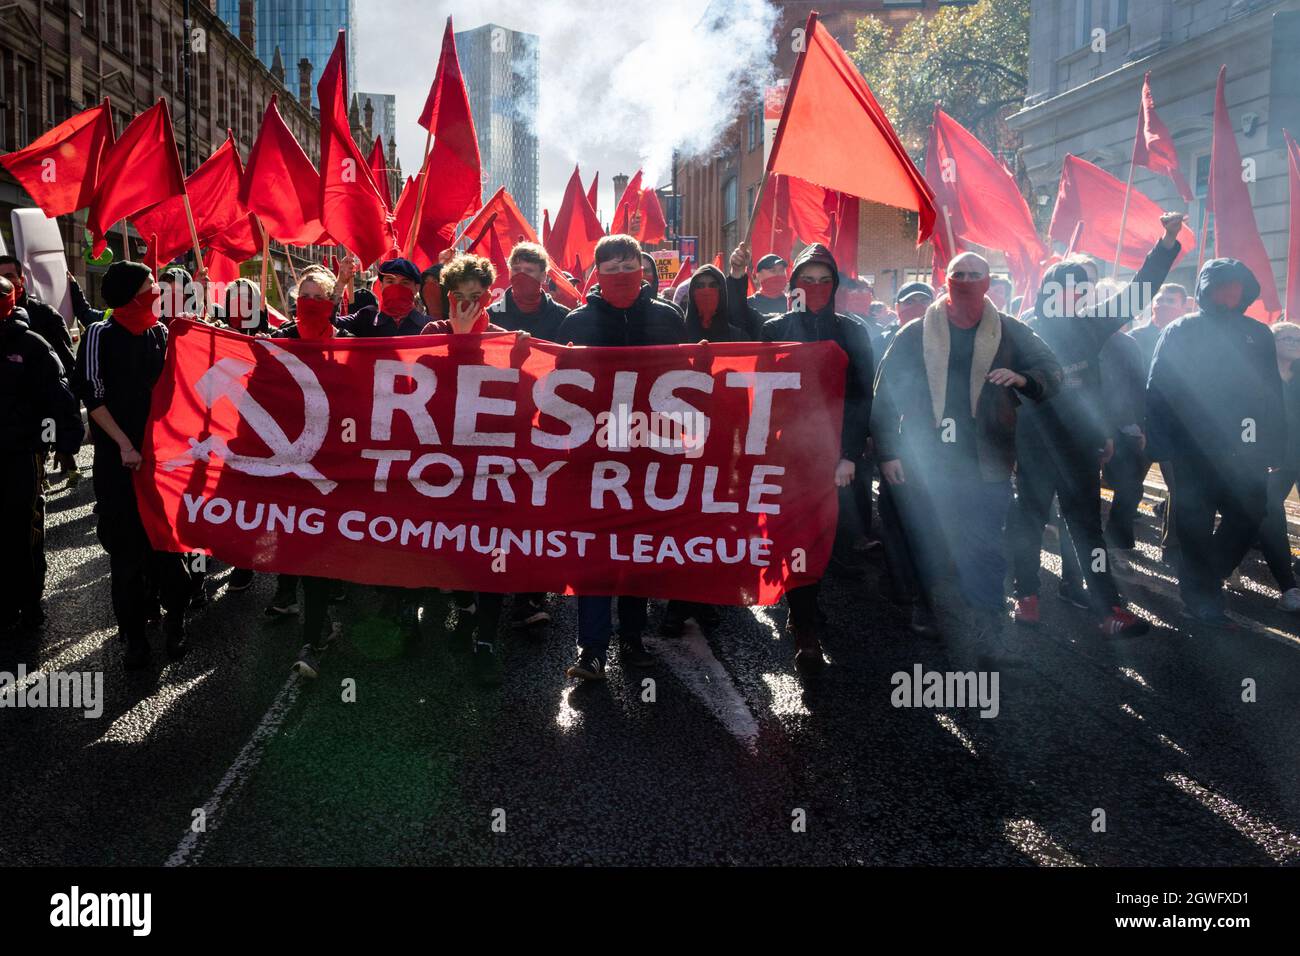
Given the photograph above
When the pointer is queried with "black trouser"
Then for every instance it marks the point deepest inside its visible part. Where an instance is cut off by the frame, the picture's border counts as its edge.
(22, 531)
(903, 575)
(137, 570)
(803, 606)
(316, 593)
(1126, 474)
(488, 612)
(1239, 495)
(1273, 539)
(1073, 475)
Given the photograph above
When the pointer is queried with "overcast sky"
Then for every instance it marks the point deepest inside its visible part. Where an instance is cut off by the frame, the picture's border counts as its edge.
(618, 91)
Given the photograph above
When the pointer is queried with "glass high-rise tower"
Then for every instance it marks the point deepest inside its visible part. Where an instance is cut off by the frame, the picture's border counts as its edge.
(300, 28)
(501, 76)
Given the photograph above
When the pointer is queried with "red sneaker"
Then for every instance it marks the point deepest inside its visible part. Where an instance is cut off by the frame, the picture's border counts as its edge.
(1121, 622)
(1026, 610)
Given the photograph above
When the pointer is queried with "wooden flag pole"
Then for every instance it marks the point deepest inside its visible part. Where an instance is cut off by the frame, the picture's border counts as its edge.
(1123, 220)
(279, 290)
(266, 259)
(194, 233)
(126, 240)
(419, 197)
(952, 242)
(1074, 237)
(1205, 237)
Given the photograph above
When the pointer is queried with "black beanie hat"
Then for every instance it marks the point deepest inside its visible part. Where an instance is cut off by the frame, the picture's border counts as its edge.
(122, 282)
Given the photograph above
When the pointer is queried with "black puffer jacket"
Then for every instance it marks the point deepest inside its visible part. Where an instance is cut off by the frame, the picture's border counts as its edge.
(1214, 395)
(543, 324)
(46, 322)
(648, 321)
(33, 389)
(849, 334)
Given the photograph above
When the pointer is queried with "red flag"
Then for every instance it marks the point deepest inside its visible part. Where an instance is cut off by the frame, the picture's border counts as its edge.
(1153, 146)
(1236, 235)
(546, 226)
(593, 193)
(60, 169)
(1096, 198)
(241, 241)
(498, 257)
(507, 222)
(140, 169)
(379, 171)
(635, 200)
(351, 207)
(717, 262)
(981, 199)
(791, 210)
(576, 230)
(405, 209)
(834, 133)
(453, 170)
(281, 185)
(221, 268)
(844, 240)
(213, 189)
(1293, 233)
(683, 274)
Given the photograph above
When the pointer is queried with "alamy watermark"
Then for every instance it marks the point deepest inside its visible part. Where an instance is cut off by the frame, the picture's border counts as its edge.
(946, 690)
(78, 690)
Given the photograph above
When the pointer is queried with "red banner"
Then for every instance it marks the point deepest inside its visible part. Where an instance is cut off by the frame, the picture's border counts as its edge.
(700, 472)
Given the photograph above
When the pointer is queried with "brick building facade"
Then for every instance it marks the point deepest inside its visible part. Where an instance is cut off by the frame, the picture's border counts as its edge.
(58, 57)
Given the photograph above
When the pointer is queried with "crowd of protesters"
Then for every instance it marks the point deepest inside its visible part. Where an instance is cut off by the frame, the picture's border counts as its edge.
(976, 411)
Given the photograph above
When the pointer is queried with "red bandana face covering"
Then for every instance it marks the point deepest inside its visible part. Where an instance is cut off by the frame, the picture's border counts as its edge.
(1227, 295)
(966, 301)
(7, 303)
(706, 303)
(620, 289)
(140, 314)
(772, 286)
(858, 302)
(396, 300)
(527, 291)
(816, 295)
(314, 319)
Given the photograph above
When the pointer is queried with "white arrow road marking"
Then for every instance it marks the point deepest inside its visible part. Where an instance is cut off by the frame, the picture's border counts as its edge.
(691, 659)
(190, 848)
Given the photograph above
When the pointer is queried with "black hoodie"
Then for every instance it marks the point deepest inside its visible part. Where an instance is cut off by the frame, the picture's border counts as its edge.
(849, 334)
(647, 321)
(543, 324)
(725, 327)
(33, 388)
(1214, 395)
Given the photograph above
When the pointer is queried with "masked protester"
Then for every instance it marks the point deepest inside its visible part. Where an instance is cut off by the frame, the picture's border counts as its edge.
(650, 271)
(1215, 412)
(747, 316)
(313, 310)
(33, 392)
(119, 361)
(621, 310)
(42, 319)
(708, 304)
(242, 309)
(526, 305)
(770, 277)
(812, 318)
(397, 312)
(432, 297)
(943, 424)
(1063, 441)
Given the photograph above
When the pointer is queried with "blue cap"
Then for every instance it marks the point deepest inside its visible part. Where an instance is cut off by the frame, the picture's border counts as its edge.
(400, 267)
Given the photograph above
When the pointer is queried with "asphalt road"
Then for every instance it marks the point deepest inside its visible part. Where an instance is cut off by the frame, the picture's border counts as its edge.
(727, 757)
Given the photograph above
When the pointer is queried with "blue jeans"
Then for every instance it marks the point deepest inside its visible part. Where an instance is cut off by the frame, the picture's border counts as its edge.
(596, 622)
(957, 522)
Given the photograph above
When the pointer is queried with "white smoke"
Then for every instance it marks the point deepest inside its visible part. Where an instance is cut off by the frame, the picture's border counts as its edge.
(672, 76)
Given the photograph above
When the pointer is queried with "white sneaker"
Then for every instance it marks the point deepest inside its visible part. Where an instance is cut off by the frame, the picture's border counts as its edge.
(1290, 600)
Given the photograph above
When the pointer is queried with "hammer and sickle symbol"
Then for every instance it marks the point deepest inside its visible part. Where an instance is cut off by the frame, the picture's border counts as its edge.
(225, 379)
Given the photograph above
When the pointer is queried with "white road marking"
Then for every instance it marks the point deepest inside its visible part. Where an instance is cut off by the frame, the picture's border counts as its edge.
(691, 659)
(190, 848)
(134, 725)
(1279, 844)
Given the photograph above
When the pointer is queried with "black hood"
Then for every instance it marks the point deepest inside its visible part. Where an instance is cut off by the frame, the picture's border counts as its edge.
(1218, 271)
(692, 314)
(816, 253)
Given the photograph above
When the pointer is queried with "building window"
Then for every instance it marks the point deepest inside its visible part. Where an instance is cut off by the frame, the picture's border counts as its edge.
(167, 70)
(749, 201)
(755, 128)
(1083, 22)
(6, 64)
(53, 100)
(91, 21)
(22, 105)
(729, 198)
